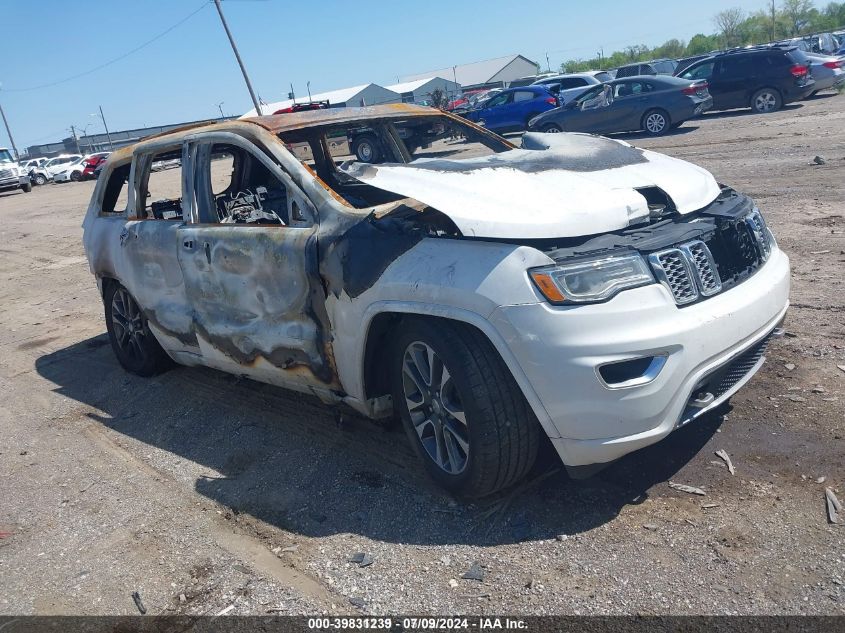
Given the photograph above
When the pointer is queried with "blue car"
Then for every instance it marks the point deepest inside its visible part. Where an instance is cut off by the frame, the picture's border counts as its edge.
(511, 109)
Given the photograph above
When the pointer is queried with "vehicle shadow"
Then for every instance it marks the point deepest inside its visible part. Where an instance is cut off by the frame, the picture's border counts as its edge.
(730, 114)
(286, 460)
(686, 128)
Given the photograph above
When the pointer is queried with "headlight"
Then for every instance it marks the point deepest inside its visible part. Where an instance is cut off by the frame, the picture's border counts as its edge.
(592, 280)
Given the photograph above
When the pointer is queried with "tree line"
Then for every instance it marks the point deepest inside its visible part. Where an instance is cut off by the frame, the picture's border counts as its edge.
(733, 27)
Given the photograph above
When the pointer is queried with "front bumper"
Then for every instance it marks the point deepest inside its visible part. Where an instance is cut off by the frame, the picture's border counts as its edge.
(560, 349)
(13, 182)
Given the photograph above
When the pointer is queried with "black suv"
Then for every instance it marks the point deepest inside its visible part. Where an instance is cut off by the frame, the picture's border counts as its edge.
(762, 79)
(654, 67)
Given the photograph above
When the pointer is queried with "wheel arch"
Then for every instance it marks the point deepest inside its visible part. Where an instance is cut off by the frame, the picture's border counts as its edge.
(765, 87)
(380, 323)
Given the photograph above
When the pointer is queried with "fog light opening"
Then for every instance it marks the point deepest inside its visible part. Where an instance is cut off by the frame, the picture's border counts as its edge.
(632, 372)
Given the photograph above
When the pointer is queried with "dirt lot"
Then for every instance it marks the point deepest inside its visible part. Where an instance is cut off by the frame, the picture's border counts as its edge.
(201, 491)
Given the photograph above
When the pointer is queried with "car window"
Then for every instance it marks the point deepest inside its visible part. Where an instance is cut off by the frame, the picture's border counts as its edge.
(245, 191)
(524, 95)
(702, 71)
(115, 194)
(497, 101)
(160, 190)
(631, 88)
(740, 66)
(602, 77)
(572, 82)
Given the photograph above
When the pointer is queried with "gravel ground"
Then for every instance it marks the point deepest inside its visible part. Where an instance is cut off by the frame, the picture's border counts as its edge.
(201, 491)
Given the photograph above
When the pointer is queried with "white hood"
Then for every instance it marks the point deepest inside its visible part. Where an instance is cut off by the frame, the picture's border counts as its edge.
(558, 185)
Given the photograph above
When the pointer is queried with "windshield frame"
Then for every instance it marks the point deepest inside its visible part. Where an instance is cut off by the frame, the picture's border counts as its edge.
(6, 156)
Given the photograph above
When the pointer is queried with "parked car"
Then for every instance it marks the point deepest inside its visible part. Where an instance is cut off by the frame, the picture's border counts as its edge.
(51, 167)
(654, 67)
(464, 100)
(568, 87)
(524, 81)
(685, 62)
(33, 163)
(762, 78)
(511, 109)
(577, 286)
(71, 171)
(827, 71)
(653, 103)
(92, 161)
(12, 176)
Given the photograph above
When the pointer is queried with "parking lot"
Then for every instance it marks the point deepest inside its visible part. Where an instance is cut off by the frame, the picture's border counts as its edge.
(201, 491)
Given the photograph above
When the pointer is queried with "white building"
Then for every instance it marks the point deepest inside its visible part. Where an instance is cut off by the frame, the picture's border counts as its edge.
(421, 89)
(498, 72)
(354, 97)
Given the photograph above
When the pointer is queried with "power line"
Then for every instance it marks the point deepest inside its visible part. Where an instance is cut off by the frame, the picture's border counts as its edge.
(116, 59)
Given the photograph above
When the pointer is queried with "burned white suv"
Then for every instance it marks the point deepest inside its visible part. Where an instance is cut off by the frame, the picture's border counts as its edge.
(576, 286)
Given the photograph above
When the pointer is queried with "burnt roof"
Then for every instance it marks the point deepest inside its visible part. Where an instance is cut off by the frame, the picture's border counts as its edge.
(277, 123)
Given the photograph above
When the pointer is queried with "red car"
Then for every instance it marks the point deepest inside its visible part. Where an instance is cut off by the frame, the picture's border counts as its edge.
(91, 164)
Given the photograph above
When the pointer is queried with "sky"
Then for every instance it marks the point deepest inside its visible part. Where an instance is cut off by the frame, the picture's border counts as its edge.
(186, 72)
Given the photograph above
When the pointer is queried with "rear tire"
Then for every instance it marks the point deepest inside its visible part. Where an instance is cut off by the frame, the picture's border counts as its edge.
(461, 408)
(656, 122)
(133, 343)
(367, 148)
(766, 100)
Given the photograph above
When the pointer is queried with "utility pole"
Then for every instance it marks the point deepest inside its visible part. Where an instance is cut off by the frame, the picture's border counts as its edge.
(75, 139)
(9, 132)
(220, 107)
(548, 63)
(238, 57)
(308, 85)
(108, 136)
(773, 20)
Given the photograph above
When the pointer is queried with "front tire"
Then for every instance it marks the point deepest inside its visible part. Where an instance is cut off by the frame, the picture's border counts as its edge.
(656, 122)
(27, 188)
(76, 176)
(552, 128)
(39, 179)
(461, 408)
(133, 343)
(766, 100)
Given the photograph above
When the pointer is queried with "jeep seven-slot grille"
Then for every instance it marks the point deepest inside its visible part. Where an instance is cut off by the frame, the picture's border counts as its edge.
(695, 270)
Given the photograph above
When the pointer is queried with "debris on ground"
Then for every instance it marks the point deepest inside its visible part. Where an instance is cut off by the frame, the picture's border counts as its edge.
(650, 526)
(707, 506)
(819, 389)
(289, 548)
(821, 480)
(819, 252)
(795, 398)
(357, 602)
(137, 598)
(723, 455)
(818, 160)
(834, 507)
(183, 598)
(5, 534)
(842, 367)
(361, 559)
(475, 572)
(226, 610)
(453, 583)
(684, 488)
(789, 366)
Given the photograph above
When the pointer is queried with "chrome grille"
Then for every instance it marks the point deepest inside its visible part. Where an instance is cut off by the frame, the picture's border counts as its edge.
(706, 274)
(5, 173)
(673, 271)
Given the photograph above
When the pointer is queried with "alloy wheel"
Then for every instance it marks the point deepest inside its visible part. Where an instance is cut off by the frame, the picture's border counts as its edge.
(655, 123)
(765, 102)
(435, 407)
(129, 327)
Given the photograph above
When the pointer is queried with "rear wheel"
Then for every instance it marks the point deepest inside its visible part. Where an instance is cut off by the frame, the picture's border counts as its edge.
(135, 346)
(656, 122)
(366, 148)
(766, 100)
(461, 408)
